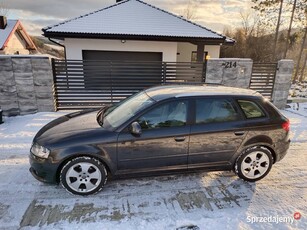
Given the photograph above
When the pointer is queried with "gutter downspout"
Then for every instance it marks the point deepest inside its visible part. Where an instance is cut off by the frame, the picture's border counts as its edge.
(59, 45)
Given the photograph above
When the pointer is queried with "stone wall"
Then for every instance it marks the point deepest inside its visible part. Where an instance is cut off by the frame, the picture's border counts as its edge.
(233, 72)
(282, 83)
(237, 73)
(26, 84)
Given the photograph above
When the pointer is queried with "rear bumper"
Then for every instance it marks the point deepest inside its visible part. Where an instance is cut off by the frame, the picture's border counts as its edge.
(281, 153)
(42, 169)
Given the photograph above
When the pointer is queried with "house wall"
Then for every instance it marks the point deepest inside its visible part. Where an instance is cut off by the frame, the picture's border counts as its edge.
(26, 84)
(74, 47)
(185, 50)
(16, 44)
(213, 51)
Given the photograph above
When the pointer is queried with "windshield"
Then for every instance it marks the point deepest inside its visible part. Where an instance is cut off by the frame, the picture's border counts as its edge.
(119, 114)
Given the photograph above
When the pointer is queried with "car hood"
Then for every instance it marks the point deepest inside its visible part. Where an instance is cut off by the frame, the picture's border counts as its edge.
(79, 124)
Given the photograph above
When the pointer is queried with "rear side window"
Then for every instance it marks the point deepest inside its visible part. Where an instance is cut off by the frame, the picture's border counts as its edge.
(211, 110)
(251, 109)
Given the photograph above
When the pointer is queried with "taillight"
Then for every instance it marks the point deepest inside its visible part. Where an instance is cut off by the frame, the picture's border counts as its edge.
(286, 125)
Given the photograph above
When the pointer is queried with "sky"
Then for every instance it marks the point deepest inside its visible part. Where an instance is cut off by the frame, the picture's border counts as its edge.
(35, 15)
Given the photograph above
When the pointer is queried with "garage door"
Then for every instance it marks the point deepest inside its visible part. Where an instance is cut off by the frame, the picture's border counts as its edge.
(122, 56)
(122, 71)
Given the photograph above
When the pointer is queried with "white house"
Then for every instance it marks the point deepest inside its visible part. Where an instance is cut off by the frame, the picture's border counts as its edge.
(14, 38)
(137, 31)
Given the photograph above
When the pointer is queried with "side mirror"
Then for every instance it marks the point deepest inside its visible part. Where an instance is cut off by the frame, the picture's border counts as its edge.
(135, 129)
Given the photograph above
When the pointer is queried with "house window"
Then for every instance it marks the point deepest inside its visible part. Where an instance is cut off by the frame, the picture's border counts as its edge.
(194, 56)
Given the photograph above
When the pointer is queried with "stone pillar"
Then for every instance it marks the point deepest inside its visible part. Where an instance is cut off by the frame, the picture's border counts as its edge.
(25, 85)
(282, 83)
(234, 72)
(8, 89)
(22, 68)
(42, 78)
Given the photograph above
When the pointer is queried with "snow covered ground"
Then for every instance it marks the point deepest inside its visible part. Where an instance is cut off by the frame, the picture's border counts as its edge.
(298, 90)
(214, 200)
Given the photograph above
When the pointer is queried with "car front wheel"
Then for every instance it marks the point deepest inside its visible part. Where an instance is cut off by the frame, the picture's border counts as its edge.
(83, 176)
(254, 164)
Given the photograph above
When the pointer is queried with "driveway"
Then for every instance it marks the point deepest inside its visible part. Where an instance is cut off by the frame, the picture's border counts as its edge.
(215, 200)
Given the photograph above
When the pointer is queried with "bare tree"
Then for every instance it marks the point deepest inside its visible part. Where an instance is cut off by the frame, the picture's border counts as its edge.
(300, 56)
(277, 29)
(302, 77)
(289, 30)
(249, 21)
(190, 11)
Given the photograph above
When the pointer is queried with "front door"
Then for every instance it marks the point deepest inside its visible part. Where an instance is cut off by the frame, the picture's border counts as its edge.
(163, 144)
(216, 134)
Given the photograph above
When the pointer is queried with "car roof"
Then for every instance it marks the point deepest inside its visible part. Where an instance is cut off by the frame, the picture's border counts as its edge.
(159, 93)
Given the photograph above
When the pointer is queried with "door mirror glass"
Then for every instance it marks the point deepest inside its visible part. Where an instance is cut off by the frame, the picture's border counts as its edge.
(135, 129)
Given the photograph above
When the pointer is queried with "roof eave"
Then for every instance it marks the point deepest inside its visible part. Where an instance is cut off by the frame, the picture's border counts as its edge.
(62, 36)
(229, 43)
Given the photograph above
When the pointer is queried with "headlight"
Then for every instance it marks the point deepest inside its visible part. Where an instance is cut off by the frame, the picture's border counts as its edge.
(40, 151)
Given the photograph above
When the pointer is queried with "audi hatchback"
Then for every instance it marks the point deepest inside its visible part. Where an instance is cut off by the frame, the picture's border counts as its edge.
(163, 129)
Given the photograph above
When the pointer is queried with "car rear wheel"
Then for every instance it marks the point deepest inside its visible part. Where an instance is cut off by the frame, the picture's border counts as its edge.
(83, 176)
(254, 164)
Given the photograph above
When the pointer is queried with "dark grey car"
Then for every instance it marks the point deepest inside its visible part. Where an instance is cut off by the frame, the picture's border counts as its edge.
(162, 129)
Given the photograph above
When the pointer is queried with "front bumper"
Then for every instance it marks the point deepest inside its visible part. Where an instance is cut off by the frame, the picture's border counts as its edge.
(43, 169)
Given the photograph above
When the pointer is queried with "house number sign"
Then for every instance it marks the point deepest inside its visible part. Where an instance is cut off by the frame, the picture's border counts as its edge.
(230, 64)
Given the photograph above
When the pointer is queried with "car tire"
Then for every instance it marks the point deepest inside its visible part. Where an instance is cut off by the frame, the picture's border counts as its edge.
(254, 164)
(83, 176)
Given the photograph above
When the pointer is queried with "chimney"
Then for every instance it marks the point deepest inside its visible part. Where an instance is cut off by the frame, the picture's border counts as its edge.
(3, 22)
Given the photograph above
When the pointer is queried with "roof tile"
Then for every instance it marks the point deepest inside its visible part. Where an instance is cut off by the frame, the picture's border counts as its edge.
(133, 17)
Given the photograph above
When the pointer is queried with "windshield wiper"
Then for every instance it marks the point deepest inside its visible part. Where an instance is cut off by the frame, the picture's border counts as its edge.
(100, 114)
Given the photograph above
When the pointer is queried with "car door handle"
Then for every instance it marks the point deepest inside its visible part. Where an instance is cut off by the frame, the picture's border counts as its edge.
(179, 139)
(239, 133)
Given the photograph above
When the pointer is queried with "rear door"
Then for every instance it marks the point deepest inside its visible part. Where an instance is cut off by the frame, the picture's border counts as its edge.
(217, 133)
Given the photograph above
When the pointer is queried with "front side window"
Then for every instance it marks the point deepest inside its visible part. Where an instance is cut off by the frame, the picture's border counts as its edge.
(251, 109)
(119, 114)
(170, 114)
(210, 110)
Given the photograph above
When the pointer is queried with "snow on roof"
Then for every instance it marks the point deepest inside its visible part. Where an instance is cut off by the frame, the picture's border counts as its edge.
(133, 17)
(5, 33)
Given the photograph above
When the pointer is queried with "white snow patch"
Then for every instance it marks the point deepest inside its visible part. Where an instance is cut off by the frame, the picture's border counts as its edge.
(214, 200)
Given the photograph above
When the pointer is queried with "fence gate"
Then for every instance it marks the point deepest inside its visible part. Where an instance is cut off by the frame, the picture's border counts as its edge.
(263, 78)
(80, 84)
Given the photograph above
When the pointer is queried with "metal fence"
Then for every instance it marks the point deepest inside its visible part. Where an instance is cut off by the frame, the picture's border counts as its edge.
(82, 84)
(263, 78)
